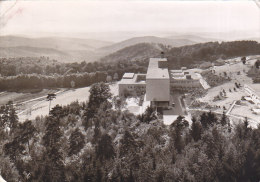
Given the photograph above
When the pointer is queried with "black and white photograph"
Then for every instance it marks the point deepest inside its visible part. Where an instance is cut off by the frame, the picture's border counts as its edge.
(129, 91)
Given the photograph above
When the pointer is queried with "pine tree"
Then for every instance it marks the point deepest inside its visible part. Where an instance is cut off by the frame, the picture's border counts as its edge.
(196, 130)
(77, 142)
(97, 134)
(178, 141)
(99, 94)
(105, 149)
(211, 117)
(131, 177)
(203, 120)
(25, 132)
(128, 144)
(223, 120)
(53, 166)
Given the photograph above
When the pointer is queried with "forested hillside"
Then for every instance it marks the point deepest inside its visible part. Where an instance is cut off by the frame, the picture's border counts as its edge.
(212, 51)
(18, 74)
(142, 51)
(94, 142)
(189, 55)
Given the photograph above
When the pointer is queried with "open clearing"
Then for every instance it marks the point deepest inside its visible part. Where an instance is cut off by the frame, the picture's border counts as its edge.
(19, 98)
(31, 105)
(41, 107)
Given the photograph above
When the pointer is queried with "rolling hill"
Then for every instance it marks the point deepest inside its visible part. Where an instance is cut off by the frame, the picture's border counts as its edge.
(62, 49)
(89, 50)
(193, 38)
(60, 43)
(147, 39)
(62, 56)
(135, 52)
(76, 49)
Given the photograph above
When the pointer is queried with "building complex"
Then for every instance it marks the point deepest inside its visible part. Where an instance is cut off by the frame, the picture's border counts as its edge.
(158, 82)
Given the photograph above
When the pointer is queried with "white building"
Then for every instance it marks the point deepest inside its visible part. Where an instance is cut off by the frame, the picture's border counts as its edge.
(184, 80)
(158, 82)
(253, 90)
(131, 83)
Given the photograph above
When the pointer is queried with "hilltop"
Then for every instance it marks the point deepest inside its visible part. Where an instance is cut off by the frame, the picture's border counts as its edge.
(193, 38)
(135, 52)
(147, 39)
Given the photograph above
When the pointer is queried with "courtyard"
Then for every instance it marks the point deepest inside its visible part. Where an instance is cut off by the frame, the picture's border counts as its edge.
(177, 108)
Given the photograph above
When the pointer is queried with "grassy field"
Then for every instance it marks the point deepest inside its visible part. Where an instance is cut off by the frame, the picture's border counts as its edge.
(29, 105)
(21, 97)
(41, 107)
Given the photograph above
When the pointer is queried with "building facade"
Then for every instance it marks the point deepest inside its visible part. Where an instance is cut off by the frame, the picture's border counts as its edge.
(158, 82)
(184, 80)
(132, 84)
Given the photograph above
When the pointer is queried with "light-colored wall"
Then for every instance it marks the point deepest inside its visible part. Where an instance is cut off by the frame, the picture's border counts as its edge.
(185, 84)
(157, 89)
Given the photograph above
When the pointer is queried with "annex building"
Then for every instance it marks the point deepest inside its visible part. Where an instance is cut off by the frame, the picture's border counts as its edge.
(253, 90)
(184, 79)
(158, 82)
(132, 84)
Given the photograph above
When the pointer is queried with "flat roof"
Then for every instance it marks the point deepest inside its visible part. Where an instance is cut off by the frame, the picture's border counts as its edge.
(132, 80)
(176, 71)
(128, 75)
(154, 72)
(179, 74)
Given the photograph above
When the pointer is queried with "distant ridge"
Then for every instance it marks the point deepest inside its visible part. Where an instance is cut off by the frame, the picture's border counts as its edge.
(193, 38)
(60, 48)
(147, 39)
(60, 43)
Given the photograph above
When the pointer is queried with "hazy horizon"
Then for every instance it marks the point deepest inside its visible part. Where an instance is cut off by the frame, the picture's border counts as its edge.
(120, 20)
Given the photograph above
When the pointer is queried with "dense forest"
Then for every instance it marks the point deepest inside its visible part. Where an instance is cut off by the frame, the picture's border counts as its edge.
(211, 51)
(46, 66)
(188, 56)
(39, 73)
(97, 141)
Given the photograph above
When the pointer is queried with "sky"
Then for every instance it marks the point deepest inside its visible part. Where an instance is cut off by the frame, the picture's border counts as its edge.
(101, 16)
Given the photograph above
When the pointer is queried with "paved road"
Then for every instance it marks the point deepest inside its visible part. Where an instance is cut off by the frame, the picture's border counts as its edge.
(231, 107)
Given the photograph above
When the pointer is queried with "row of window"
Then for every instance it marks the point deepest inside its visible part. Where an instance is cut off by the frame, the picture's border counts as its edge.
(184, 81)
(131, 87)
